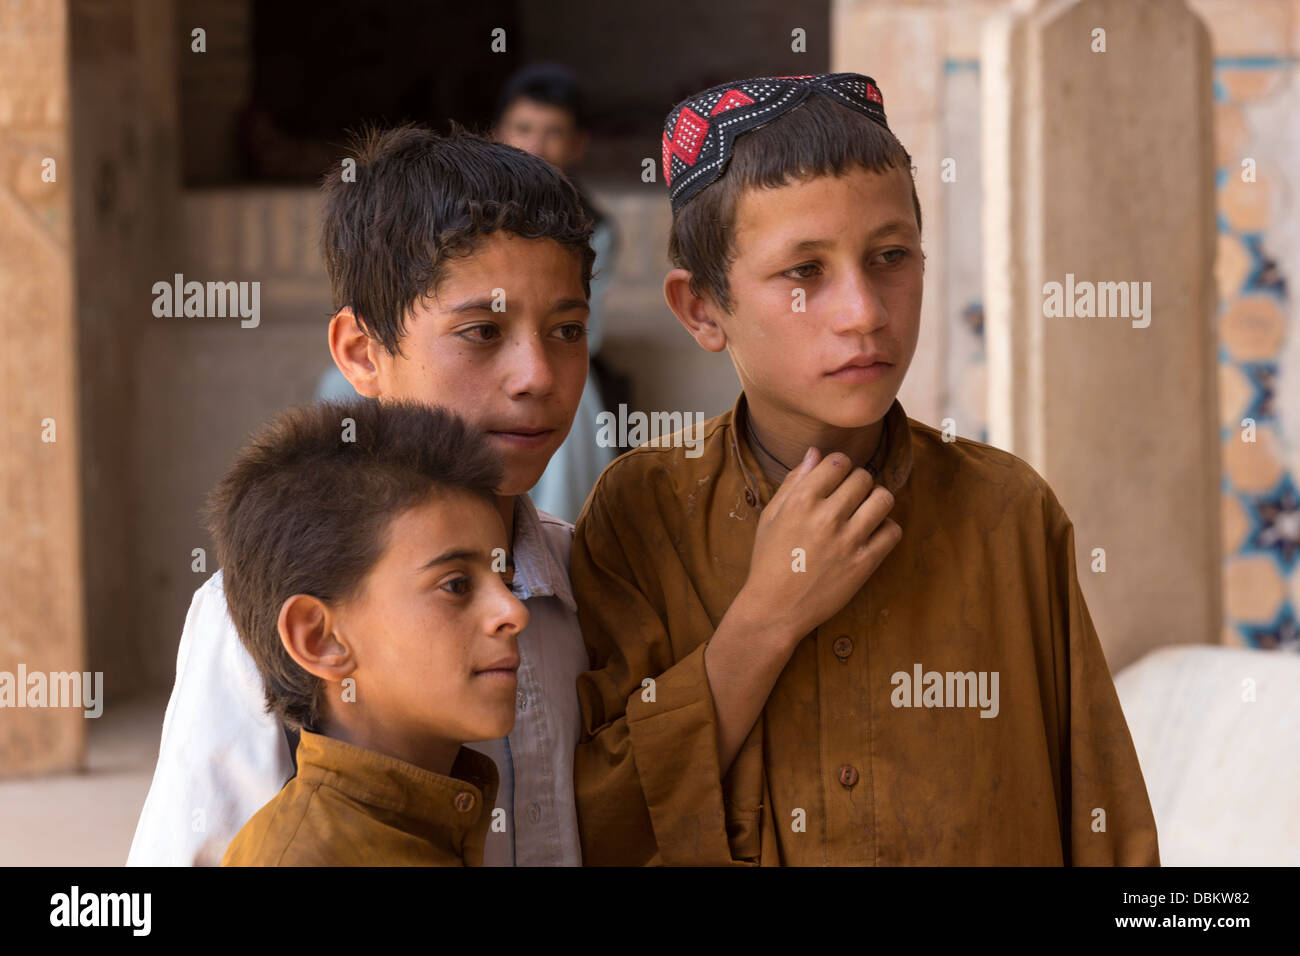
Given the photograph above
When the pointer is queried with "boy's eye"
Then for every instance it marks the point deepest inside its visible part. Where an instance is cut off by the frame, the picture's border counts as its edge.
(573, 332)
(489, 332)
(898, 254)
(458, 586)
(798, 271)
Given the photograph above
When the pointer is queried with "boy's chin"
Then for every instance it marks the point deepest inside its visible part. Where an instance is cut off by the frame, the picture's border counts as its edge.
(520, 477)
(494, 726)
(852, 411)
(524, 467)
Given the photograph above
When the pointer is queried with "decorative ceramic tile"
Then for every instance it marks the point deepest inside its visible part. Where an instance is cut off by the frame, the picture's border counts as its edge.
(1235, 395)
(1232, 522)
(1261, 537)
(1255, 590)
(1253, 467)
(1232, 264)
(1281, 633)
(1274, 525)
(1252, 328)
(1244, 84)
(1264, 274)
(1245, 205)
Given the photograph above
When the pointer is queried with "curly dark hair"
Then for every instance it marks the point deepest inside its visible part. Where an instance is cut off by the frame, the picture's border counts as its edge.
(412, 199)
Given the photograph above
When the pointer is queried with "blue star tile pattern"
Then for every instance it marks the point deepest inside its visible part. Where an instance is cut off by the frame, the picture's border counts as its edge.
(1275, 525)
(1263, 382)
(1265, 275)
(1273, 517)
(1280, 634)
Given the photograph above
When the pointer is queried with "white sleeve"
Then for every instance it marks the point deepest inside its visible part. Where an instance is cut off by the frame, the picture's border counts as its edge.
(222, 756)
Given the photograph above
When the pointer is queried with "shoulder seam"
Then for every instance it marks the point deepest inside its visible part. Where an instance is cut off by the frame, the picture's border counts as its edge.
(714, 425)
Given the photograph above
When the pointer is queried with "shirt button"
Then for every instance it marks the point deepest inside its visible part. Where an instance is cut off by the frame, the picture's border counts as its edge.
(848, 776)
(843, 646)
(465, 801)
(534, 812)
(749, 498)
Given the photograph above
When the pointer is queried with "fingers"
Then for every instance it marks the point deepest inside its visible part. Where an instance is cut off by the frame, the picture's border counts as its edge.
(827, 475)
(877, 547)
(810, 461)
(870, 514)
(848, 497)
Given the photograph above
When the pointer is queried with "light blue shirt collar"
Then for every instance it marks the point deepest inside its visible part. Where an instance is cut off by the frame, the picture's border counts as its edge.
(541, 555)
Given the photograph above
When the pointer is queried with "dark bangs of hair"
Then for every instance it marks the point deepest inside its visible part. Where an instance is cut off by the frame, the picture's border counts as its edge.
(818, 138)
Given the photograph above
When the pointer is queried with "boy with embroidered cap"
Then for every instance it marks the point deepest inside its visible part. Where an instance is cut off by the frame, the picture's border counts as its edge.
(833, 637)
(364, 561)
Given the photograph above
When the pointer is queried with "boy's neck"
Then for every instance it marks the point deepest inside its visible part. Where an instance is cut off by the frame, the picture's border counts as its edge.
(782, 440)
(429, 753)
(506, 505)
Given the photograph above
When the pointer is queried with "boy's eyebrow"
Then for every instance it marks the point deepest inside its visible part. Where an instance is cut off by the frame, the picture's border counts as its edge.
(454, 554)
(884, 229)
(565, 305)
(481, 304)
(484, 304)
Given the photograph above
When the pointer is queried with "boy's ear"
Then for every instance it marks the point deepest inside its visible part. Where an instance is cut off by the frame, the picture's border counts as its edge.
(354, 353)
(693, 312)
(306, 626)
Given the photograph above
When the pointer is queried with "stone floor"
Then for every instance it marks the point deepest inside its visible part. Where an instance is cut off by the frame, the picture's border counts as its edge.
(86, 818)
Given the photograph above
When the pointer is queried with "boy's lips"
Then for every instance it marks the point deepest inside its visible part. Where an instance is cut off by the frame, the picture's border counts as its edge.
(503, 669)
(861, 368)
(523, 437)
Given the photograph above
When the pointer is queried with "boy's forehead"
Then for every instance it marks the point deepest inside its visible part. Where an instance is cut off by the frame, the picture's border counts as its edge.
(505, 261)
(446, 521)
(822, 209)
(525, 107)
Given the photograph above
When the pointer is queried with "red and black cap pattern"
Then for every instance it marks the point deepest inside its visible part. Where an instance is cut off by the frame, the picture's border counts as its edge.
(699, 132)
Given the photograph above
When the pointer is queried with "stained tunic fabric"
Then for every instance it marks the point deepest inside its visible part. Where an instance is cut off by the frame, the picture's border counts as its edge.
(349, 806)
(982, 586)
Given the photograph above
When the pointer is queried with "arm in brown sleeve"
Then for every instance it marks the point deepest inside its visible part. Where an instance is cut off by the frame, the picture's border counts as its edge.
(1098, 753)
(646, 776)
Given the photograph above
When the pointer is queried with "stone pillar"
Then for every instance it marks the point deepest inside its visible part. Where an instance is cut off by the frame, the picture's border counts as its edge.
(127, 205)
(1098, 168)
(901, 45)
(41, 616)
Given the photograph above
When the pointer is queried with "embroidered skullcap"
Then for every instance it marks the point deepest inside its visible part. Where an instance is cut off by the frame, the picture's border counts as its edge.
(701, 131)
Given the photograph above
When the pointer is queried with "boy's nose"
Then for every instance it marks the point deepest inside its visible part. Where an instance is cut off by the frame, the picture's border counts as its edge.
(511, 614)
(859, 307)
(530, 368)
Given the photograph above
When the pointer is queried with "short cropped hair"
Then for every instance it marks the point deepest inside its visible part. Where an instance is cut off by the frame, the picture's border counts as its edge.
(307, 508)
(818, 138)
(416, 199)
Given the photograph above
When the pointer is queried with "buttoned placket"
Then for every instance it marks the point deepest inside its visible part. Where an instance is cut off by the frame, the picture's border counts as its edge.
(528, 751)
(535, 806)
(845, 723)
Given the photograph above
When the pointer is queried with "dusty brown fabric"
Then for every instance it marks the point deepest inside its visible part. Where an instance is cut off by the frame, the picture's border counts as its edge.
(354, 807)
(983, 580)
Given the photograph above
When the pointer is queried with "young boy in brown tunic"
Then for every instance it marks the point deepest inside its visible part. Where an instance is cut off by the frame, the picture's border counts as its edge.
(364, 559)
(830, 634)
